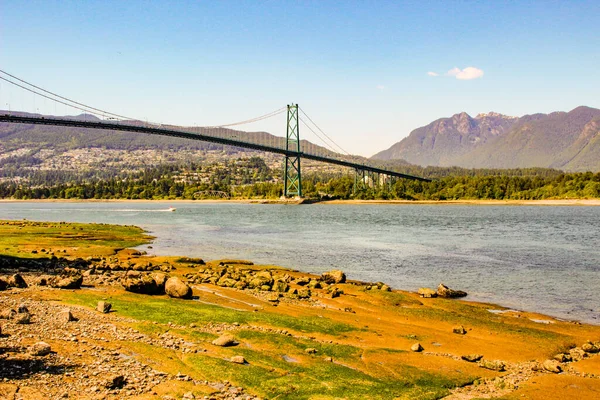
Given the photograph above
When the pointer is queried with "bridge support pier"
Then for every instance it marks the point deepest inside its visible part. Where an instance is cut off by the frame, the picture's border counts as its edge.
(292, 177)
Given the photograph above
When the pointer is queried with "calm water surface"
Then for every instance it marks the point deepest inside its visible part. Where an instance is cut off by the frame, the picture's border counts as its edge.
(544, 259)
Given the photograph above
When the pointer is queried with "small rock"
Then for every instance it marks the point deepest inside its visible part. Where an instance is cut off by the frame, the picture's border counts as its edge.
(280, 286)
(427, 293)
(22, 318)
(104, 307)
(334, 276)
(302, 281)
(314, 284)
(189, 396)
(115, 381)
(577, 354)
(273, 297)
(224, 341)
(562, 357)
(17, 281)
(22, 309)
(445, 291)
(385, 288)
(65, 316)
(334, 292)
(493, 365)
(459, 330)
(327, 359)
(416, 347)
(472, 357)
(238, 360)
(311, 350)
(39, 349)
(552, 366)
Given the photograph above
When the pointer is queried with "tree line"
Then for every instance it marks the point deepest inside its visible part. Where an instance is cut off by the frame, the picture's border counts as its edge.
(252, 178)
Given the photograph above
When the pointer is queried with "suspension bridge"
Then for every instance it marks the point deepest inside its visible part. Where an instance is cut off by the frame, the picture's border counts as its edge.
(291, 147)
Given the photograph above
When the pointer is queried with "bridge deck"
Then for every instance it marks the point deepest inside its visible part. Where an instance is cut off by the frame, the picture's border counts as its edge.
(197, 136)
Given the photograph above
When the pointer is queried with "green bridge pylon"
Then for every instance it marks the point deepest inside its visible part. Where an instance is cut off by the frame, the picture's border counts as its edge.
(292, 178)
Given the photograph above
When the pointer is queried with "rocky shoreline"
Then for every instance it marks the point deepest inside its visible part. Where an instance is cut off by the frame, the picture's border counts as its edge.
(128, 325)
(95, 368)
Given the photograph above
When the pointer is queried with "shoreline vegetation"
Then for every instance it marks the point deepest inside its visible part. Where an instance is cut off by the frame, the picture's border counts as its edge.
(549, 202)
(83, 314)
(252, 179)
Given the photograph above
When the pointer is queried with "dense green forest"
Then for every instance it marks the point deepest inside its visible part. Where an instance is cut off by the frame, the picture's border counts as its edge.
(252, 178)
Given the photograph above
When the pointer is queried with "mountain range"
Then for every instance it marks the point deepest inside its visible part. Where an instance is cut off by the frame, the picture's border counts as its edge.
(568, 141)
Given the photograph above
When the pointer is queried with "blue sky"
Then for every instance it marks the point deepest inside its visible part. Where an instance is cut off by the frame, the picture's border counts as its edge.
(358, 68)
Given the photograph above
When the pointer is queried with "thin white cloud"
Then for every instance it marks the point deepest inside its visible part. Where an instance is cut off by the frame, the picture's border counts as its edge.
(380, 87)
(465, 74)
(430, 73)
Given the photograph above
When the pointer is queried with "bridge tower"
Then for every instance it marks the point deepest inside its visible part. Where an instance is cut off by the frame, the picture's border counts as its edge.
(292, 178)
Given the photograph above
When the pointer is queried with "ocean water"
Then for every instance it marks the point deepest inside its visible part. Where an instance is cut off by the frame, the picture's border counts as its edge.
(535, 258)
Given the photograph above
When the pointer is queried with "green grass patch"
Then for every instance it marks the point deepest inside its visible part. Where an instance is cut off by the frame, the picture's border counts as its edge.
(289, 345)
(18, 238)
(156, 329)
(273, 378)
(185, 312)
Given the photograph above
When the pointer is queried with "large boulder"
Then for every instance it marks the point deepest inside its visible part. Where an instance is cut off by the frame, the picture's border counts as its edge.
(590, 347)
(143, 284)
(445, 291)
(175, 287)
(334, 276)
(160, 279)
(66, 282)
(3, 284)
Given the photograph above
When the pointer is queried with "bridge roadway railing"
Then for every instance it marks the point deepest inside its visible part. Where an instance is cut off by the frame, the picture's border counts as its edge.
(154, 130)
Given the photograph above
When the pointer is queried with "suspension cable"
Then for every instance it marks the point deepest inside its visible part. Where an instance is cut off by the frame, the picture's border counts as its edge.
(105, 113)
(48, 97)
(327, 145)
(321, 130)
(248, 121)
